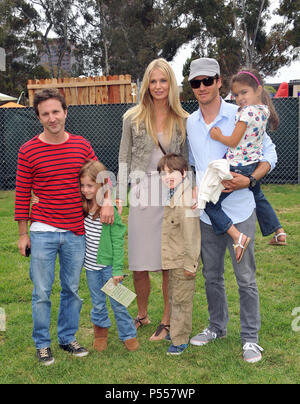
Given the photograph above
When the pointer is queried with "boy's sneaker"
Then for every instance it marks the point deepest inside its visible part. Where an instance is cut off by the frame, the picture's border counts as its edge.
(45, 356)
(177, 349)
(252, 352)
(205, 337)
(75, 349)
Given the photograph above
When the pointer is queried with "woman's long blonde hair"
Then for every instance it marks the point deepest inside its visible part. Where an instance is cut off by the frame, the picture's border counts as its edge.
(144, 111)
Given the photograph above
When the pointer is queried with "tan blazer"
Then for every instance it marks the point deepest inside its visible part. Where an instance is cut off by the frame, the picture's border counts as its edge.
(135, 152)
(181, 238)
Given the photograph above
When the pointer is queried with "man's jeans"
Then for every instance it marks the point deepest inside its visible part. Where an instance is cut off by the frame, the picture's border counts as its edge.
(99, 315)
(266, 216)
(44, 249)
(213, 249)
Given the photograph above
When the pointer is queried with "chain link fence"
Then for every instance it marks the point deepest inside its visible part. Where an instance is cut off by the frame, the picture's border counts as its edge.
(101, 125)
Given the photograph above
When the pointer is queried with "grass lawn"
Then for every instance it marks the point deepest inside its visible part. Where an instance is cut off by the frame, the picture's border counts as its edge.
(278, 274)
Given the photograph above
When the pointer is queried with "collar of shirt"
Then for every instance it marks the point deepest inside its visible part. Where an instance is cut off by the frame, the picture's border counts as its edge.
(202, 148)
(172, 191)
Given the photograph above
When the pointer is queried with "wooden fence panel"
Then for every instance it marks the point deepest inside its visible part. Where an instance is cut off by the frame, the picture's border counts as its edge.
(89, 90)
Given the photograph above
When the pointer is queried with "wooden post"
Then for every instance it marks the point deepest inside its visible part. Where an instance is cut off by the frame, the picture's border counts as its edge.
(73, 92)
(68, 96)
(128, 96)
(122, 90)
(30, 93)
(92, 92)
(104, 94)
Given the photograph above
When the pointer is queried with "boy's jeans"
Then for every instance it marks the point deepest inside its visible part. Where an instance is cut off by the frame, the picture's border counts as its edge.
(44, 249)
(266, 216)
(99, 314)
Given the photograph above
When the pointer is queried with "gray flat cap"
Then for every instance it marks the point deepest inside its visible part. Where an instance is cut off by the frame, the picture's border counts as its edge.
(204, 67)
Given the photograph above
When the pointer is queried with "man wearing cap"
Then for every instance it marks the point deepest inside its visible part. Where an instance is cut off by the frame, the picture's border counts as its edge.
(213, 111)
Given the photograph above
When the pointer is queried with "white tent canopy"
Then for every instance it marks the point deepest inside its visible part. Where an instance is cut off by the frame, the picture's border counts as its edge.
(4, 97)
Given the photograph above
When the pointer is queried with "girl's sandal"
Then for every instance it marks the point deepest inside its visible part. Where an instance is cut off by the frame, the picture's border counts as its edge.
(138, 322)
(274, 240)
(161, 332)
(242, 246)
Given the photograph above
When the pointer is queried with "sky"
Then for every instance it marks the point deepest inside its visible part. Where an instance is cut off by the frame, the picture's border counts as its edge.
(286, 73)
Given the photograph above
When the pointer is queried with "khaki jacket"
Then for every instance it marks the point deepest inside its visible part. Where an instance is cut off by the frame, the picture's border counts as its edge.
(135, 153)
(181, 237)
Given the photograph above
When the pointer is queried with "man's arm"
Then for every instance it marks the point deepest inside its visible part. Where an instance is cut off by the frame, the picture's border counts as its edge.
(268, 163)
(269, 152)
(22, 201)
(261, 170)
(24, 240)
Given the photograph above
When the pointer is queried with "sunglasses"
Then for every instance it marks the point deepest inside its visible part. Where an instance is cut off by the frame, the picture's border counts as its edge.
(207, 82)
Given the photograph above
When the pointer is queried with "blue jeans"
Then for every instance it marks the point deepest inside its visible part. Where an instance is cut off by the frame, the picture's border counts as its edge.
(44, 249)
(99, 314)
(266, 216)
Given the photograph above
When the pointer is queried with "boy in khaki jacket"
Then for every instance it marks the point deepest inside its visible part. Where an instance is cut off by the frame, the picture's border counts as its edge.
(180, 248)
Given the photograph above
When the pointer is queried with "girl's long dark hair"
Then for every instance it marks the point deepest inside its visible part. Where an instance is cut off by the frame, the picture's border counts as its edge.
(91, 168)
(265, 97)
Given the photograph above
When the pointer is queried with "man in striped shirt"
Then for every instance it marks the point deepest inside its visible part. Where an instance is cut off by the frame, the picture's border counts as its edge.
(49, 165)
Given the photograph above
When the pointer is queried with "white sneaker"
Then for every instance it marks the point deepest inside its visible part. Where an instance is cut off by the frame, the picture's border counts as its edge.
(252, 352)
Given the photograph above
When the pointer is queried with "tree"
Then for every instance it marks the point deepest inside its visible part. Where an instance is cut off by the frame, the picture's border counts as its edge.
(234, 32)
(16, 37)
(55, 25)
(290, 10)
(266, 52)
(124, 37)
(118, 35)
(249, 28)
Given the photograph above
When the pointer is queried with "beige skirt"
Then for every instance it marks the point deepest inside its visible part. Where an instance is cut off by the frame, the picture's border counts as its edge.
(147, 200)
(145, 224)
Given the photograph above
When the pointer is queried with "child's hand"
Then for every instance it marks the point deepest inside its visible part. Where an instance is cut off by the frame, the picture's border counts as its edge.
(195, 198)
(35, 199)
(215, 133)
(117, 279)
(189, 274)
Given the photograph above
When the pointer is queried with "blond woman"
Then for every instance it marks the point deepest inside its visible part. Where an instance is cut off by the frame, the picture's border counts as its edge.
(152, 128)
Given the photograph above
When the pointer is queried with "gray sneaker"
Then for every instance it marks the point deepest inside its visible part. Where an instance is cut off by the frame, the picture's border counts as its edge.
(45, 356)
(205, 337)
(75, 349)
(252, 352)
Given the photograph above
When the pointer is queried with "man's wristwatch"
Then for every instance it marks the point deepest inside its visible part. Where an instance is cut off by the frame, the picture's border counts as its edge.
(253, 182)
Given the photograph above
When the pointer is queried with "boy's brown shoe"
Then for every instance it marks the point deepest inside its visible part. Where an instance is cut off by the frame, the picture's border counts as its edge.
(132, 344)
(100, 338)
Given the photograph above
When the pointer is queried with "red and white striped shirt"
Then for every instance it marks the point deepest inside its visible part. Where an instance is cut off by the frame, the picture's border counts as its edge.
(51, 172)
